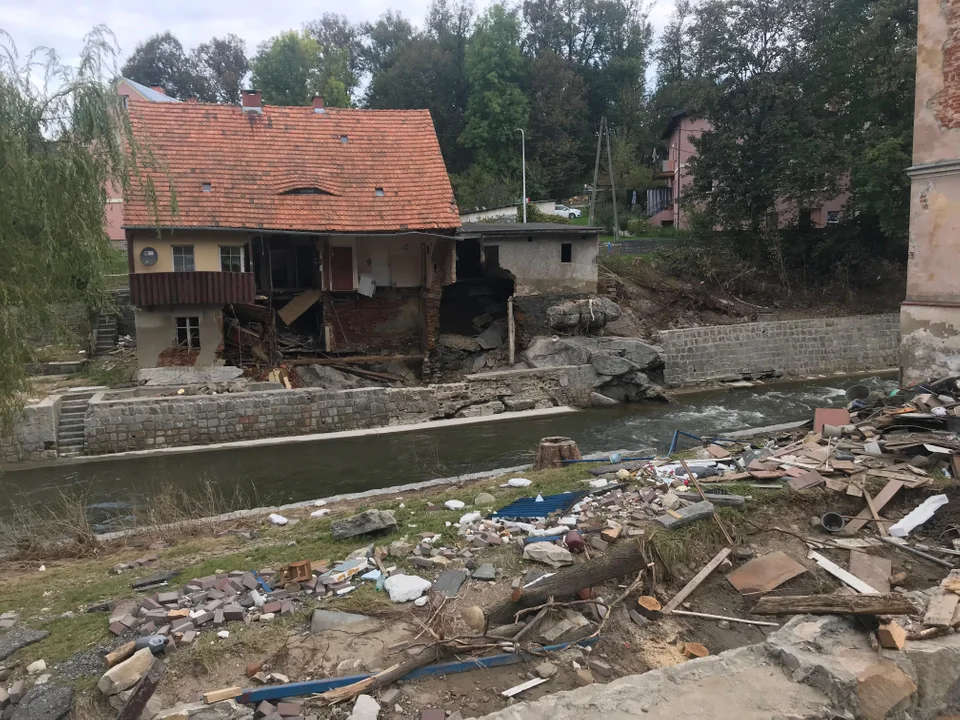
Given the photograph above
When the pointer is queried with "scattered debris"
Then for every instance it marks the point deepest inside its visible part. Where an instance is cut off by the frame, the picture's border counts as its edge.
(370, 521)
(765, 573)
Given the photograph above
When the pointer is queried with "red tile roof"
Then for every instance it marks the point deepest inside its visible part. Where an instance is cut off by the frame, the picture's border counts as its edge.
(250, 159)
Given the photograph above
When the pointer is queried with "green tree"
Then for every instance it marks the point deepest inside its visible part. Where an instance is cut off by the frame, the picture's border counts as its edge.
(160, 60)
(222, 62)
(497, 106)
(60, 147)
(287, 69)
(383, 41)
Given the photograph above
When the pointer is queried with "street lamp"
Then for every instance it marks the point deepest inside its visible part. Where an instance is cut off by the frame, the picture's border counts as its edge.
(523, 157)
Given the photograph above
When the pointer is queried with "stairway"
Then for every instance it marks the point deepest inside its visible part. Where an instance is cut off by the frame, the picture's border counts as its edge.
(73, 409)
(106, 334)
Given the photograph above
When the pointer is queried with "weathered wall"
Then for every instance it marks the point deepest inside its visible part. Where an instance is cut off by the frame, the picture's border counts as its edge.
(787, 347)
(142, 423)
(35, 435)
(157, 335)
(206, 248)
(930, 314)
(535, 264)
(391, 319)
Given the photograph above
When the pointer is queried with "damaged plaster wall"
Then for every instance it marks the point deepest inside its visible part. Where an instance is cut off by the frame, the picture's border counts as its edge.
(132, 423)
(537, 268)
(157, 335)
(930, 315)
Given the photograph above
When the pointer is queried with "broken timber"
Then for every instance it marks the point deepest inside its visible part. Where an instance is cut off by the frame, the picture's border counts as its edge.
(834, 605)
(135, 705)
(695, 582)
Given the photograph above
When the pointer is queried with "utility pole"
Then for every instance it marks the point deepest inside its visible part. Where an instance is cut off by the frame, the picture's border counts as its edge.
(613, 185)
(523, 160)
(596, 172)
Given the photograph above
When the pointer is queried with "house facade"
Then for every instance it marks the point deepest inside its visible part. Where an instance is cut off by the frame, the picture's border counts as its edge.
(663, 203)
(275, 232)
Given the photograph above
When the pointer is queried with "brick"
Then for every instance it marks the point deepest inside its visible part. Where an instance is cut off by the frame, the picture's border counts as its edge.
(218, 617)
(253, 668)
(233, 613)
(272, 607)
(182, 626)
(289, 709)
(118, 628)
(166, 598)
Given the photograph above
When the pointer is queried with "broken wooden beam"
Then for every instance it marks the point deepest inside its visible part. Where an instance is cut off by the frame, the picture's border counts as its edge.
(136, 703)
(695, 582)
(834, 605)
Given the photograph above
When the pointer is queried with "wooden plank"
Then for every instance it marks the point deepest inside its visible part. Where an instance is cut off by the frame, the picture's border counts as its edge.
(763, 574)
(136, 703)
(882, 498)
(941, 608)
(517, 689)
(838, 572)
(709, 616)
(697, 579)
(833, 605)
(298, 306)
(881, 528)
(855, 485)
(836, 485)
(809, 479)
(215, 696)
(874, 571)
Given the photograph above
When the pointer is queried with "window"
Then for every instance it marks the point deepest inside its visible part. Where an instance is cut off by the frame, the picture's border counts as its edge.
(378, 192)
(188, 333)
(126, 101)
(183, 258)
(232, 259)
(833, 217)
(566, 252)
(206, 187)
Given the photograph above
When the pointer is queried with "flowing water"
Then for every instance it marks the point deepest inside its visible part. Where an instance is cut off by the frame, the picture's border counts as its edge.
(272, 475)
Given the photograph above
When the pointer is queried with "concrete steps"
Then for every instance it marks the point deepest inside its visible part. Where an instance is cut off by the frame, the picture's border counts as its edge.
(106, 334)
(73, 410)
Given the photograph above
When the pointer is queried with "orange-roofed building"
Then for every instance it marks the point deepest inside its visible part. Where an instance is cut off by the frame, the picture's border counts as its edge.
(297, 229)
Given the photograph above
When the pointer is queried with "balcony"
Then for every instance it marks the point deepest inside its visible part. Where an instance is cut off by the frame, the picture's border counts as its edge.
(191, 288)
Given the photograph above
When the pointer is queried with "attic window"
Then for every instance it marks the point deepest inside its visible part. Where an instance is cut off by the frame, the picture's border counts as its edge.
(378, 192)
(305, 191)
(206, 187)
(343, 139)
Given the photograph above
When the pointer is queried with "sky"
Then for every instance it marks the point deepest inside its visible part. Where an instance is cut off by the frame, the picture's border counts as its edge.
(61, 24)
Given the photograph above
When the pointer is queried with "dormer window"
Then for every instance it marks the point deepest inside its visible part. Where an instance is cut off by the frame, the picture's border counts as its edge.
(206, 187)
(306, 191)
(378, 192)
(343, 139)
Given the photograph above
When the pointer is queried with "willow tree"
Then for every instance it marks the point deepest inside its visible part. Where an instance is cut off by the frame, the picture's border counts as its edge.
(64, 142)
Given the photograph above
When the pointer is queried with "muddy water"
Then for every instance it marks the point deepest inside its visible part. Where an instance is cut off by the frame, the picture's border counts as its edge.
(303, 471)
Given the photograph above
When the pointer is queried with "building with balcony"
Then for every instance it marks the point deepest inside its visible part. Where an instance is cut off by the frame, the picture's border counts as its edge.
(664, 205)
(263, 232)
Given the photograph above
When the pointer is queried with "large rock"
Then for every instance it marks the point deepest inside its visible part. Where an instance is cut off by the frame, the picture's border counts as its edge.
(490, 338)
(18, 637)
(459, 342)
(366, 522)
(590, 313)
(553, 352)
(126, 674)
(328, 378)
(45, 702)
(613, 365)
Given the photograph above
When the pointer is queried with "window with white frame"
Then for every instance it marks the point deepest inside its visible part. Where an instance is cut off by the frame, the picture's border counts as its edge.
(183, 258)
(232, 258)
(188, 333)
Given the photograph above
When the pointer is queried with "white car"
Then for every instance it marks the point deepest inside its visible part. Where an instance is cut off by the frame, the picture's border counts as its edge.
(564, 211)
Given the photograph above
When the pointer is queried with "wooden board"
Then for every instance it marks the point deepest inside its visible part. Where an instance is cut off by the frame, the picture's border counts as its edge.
(874, 571)
(833, 605)
(763, 574)
(298, 306)
(695, 582)
(941, 608)
(882, 498)
(811, 478)
(836, 485)
(842, 575)
(855, 486)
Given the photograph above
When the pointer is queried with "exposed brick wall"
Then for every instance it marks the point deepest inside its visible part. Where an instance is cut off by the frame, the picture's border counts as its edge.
(788, 347)
(946, 103)
(119, 425)
(390, 320)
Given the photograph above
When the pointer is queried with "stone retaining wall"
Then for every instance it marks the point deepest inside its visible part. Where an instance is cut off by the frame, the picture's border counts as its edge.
(786, 347)
(124, 424)
(35, 436)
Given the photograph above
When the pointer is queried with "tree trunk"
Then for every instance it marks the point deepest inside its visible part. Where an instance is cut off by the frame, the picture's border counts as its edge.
(834, 605)
(553, 450)
(626, 559)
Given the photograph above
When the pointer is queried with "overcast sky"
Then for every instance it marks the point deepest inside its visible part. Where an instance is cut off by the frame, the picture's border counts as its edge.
(61, 24)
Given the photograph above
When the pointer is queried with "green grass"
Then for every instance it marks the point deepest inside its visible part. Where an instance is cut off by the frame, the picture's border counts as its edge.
(110, 371)
(117, 263)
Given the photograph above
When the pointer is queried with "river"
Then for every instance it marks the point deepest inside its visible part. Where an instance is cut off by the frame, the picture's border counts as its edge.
(278, 474)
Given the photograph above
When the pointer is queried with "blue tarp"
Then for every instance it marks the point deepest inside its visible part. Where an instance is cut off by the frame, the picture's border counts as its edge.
(528, 507)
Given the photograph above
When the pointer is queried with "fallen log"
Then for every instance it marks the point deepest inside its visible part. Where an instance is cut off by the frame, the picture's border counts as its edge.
(625, 559)
(834, 605)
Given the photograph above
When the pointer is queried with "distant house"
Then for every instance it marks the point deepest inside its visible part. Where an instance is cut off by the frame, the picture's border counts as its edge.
(505, 213)
(297, 230)
(663, 207)
(131, 92)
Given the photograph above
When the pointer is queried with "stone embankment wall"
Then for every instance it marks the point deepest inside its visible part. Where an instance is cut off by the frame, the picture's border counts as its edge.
(118, 424)
(786, 347)
(35, 435)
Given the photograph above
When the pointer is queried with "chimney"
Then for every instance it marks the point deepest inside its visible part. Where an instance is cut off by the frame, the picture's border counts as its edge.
(159, 89)
(318, 104)
(251, 101)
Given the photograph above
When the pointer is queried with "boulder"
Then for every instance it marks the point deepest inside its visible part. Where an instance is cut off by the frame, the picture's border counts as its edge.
(613, 365)
(126, 674)
(460, 342)
(366, 522)
(554, 352)
(548, 554)
(490, 338)
(591, 313)
(599, 400)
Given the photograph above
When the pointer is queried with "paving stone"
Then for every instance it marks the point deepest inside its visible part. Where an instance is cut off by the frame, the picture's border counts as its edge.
(233, 613)
(17, 638)
(272, 607)
(449, 582)
(702, 510)
(45, 702)
(166, 598)
(485, 572)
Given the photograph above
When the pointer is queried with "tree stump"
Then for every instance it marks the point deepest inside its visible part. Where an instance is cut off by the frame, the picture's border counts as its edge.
(553, 450)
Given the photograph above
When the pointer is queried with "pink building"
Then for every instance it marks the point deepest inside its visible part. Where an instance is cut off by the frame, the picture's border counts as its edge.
(130, 91)
(663, 207)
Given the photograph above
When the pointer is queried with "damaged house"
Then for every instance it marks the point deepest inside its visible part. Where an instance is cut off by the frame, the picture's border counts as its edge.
(295, 231)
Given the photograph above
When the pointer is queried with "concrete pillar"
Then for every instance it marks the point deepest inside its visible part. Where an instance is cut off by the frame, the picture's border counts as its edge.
(930, 314)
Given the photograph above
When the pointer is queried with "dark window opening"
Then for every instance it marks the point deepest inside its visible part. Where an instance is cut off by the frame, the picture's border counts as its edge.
(183, 258)
(306, 191)
(188, 333)
(343, 139)
(491, 258)
(206, 187)
(833, 217)
(566, 252)
(232, 259)
(378, 192)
